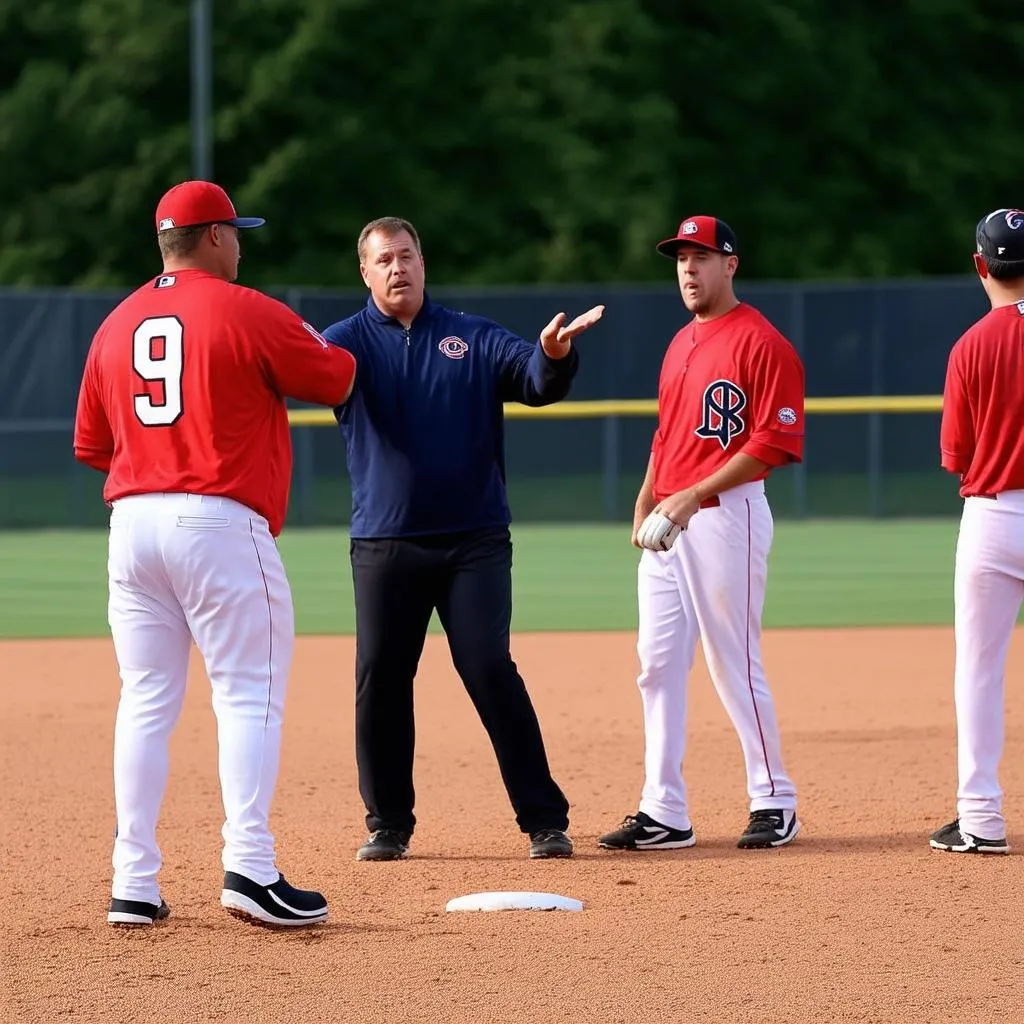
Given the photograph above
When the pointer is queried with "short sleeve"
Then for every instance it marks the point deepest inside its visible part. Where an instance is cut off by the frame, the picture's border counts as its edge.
(777, 417)
(956, 431)
(297, 359)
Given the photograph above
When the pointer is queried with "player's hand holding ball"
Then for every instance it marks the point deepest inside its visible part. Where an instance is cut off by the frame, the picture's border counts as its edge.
(657, 532)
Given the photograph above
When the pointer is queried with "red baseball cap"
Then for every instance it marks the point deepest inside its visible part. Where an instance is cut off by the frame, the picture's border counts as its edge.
(199, 202)
(707, 232)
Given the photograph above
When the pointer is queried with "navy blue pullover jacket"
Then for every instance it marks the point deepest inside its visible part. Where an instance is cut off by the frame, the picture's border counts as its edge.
(424, 427)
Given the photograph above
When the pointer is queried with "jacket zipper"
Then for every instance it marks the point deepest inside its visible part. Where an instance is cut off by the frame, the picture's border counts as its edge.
(408, 336)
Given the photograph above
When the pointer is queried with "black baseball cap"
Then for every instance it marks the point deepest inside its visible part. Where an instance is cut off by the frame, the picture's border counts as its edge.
(706, 232)
(1000, 236)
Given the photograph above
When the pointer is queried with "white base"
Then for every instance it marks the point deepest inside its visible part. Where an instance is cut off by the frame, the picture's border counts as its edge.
(513, 901)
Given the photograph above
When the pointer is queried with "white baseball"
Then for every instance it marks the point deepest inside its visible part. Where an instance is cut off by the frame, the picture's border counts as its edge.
(657, 532)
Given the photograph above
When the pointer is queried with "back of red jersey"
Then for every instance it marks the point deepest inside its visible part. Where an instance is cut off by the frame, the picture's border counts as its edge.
(983, 405)
(184, 391)
(727, 385)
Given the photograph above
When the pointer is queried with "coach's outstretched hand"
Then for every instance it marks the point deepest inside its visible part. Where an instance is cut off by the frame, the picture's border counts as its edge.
(556, 339)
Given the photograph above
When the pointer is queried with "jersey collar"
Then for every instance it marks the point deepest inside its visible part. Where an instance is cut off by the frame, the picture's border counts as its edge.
(375, 313)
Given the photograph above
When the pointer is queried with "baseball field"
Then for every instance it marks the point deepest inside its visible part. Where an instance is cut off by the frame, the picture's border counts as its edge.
(856, 921)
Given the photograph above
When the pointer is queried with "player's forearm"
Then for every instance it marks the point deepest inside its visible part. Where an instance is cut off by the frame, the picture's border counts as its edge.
(740, 469)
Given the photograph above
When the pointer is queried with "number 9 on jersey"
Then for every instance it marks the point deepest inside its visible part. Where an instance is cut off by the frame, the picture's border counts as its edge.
(158, 357)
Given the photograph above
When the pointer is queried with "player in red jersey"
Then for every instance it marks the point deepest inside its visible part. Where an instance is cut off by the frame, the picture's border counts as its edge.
(980, 441)
(730, 409)
(182, 404)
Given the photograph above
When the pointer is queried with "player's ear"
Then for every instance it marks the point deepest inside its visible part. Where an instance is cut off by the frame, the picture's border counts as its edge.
(362, 274)
(980, 265)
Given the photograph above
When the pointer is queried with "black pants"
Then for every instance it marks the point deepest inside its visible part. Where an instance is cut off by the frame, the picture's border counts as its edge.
(467, 577)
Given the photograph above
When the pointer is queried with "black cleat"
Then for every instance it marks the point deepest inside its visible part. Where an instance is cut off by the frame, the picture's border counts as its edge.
(767, 829)
(641, 832)
(550, 842)
(133, 913)
(279, 904)
(385, 844)
(950, 839)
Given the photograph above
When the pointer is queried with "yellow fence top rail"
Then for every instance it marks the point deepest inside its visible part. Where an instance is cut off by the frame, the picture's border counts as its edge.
(852, 404)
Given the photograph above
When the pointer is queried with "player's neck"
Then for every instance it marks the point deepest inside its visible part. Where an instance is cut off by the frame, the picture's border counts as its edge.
(1008, 294)
(175, 266)
(727, 304)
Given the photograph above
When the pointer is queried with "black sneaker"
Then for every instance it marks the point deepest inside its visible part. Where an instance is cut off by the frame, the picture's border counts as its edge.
(385, 844)
(767, 829)
(132, 913)
(950, 839)
(550, 842)
(641, 832)
(276, 904)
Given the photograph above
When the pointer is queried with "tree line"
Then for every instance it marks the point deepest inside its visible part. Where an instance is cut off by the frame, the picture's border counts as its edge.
(528, 141)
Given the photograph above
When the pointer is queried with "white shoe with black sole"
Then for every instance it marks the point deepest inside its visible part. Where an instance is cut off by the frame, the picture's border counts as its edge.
(279, 904)
(768, 829)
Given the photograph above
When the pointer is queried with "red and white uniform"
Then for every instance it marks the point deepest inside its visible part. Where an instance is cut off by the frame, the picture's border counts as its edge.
(182, 403)
(184, 391)
(731, 384)
(728, 385)
(981, 441)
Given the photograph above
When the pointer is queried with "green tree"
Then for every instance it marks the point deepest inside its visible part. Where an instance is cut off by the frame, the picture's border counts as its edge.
(527, 141)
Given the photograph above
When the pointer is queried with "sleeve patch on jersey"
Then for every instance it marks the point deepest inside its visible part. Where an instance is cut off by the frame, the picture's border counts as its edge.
(786, 416)
(316, 334)
(723, 403)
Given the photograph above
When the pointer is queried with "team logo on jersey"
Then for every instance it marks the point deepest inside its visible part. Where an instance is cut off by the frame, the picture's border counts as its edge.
(786, 416)
(316, 334)
(453, 348)
(723, 403)
(166, 281)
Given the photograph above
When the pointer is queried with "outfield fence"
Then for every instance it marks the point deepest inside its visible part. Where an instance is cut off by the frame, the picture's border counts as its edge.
(874, 355)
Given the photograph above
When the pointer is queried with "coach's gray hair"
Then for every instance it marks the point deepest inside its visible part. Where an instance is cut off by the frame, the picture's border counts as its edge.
(386, 226)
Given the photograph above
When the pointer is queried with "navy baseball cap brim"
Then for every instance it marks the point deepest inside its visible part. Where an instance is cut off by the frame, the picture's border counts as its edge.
(704, 232)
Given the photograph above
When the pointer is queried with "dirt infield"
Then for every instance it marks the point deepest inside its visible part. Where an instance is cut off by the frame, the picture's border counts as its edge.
(856, 921)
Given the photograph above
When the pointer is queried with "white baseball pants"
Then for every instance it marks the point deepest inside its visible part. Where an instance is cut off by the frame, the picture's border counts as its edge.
(987, 593)
(184, 567)
(710, 584)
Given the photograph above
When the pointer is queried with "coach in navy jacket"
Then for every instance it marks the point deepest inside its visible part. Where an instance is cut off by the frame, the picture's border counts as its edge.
(424, 437)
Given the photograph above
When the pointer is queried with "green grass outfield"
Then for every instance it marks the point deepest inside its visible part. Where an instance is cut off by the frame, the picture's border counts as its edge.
(822, 573)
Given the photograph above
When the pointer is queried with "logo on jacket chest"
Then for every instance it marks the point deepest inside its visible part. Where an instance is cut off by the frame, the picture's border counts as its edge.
(453, 347)
(722, 404)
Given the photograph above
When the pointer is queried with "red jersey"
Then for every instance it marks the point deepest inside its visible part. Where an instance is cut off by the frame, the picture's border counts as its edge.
(184, 390)
(728, 385)
(983, 405)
